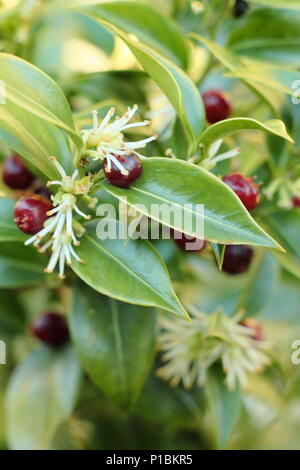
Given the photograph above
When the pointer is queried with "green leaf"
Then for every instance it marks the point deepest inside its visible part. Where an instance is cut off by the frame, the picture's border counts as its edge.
(12, 316)
(115, 343)
(261, 285)
(36, 112)
(176, 182)
(219, 251)
(222, 129)
(175, 407)
(223, 406)
(268, 34)
(285, 225)
(41, 395)
(116, 268)
(20, 266)
(293, 4)
(176, 85)
(9, 232)
(151, 28)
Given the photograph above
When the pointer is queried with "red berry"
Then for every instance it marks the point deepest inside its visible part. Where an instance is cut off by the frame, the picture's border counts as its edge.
(244, 188)
(31, 212)
(257, 329)
(132, 163)
(187, 243)
(50, 328)
(237, 259)
(296, 201)
(216, 105)
(15, 173)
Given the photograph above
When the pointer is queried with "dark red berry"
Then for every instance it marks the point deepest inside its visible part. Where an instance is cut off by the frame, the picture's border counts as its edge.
(31, 212)
(15, 173)
(240, 8)
(131, 163)
(296, 201)
(237, 259)
(187, 243)
(257, 329)
(244, 188)
(50, 328)
(216, 105)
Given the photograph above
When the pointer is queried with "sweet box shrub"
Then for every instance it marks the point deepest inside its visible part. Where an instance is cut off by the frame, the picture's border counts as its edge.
(129, 117)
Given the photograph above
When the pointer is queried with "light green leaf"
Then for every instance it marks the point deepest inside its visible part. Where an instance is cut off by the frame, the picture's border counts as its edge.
(151, 28)
(9, 232)
(219, 251)
(115, 342)
(177, 183)
(223, 407)
(176, 85)
(222, 129)
(293, 4)
(20, 266)
(35, 112)
(116, 268)
(41, 395)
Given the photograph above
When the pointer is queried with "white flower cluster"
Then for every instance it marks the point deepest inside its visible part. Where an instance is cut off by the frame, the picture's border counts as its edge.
(190, 348)
(60, 226)
(106, 140)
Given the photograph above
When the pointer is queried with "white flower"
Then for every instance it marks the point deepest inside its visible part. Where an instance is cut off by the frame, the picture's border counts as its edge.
(105, 140)
(162, 113)
(60, 227)
(190, 348)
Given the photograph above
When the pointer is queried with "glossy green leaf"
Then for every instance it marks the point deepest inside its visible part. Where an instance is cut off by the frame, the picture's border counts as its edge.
(223, 407)
(176, 85)
(260, 287)
(116, 268)
(219, 251)
(41, 395)
(149, 26)
(177, 183)
(35, 116)
(20, 266)
(9, 232)
(222, 129)
(115, 342)
(268, 34)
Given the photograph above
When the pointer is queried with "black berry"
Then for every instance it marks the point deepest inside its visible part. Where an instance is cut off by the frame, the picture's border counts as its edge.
(132, 165)
(216, 105)
(50, 328)
(244, 188)
(240, 8)
(187, 242)
(31, 212)
(15, 173)
(237, 259)
(43, 191)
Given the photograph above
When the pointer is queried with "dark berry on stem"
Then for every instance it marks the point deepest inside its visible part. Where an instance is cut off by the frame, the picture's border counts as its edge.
(244, 188)
(31, 212)
(240, 8)
(43, 191)
(296, 201)
(15, 173)
(257, 329)
(187, 243)
(131, 163)
(237, 259)
(216, 105)
(50, 328)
